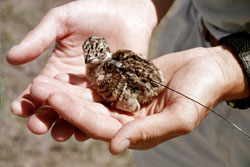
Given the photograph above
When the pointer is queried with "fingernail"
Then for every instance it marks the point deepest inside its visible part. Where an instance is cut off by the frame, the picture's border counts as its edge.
(124, 144)
(14, 47)
(15, 108)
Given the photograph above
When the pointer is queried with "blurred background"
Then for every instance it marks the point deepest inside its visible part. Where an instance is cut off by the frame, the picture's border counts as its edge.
(18, 146)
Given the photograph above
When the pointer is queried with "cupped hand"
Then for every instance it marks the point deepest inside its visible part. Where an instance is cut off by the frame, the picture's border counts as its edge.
(201, 74)
(124, 24)
(59, 93)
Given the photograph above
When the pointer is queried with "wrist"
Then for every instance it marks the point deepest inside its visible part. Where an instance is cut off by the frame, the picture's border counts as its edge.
(159, 9)
(235, 81)
(150, 11)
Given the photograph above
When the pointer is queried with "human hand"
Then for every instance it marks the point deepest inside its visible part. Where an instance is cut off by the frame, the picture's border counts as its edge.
(125, 24)
(205, 75)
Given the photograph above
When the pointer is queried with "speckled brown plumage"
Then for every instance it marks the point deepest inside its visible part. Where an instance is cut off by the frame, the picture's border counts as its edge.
(123, 79)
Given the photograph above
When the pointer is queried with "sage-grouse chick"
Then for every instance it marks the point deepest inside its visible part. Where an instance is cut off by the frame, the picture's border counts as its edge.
(123, 79)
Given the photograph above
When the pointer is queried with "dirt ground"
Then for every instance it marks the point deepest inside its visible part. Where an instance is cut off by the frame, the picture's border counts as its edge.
(19, 147)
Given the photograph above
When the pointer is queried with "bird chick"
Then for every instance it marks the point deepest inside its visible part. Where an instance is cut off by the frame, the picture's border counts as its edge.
(123, 79)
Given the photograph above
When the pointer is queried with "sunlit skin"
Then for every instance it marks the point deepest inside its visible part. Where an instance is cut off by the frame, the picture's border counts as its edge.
(209, 75)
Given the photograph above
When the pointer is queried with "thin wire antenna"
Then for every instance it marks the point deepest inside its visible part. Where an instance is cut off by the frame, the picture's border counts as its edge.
(228, 121)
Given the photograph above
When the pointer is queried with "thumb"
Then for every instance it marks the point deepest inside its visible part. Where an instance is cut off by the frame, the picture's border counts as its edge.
(147, 132)
(39, 39)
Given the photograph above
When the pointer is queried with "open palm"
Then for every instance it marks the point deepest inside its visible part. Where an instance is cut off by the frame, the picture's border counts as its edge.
(70, 25)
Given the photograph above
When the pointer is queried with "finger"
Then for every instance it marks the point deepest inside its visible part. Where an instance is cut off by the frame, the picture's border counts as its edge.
(39, 39)
(25, 105)
(147, 132)
(71, 78)
(62, 130)
(81, 81)
(80, 135)
(92, 118)
(42, 120)
(41, 90)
